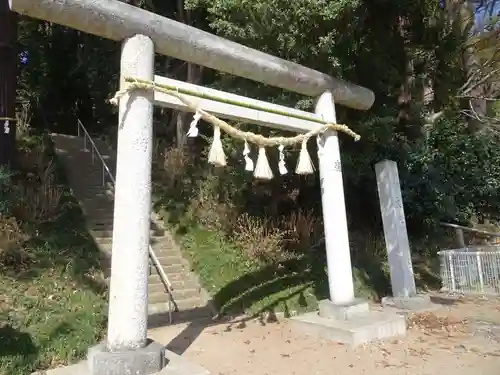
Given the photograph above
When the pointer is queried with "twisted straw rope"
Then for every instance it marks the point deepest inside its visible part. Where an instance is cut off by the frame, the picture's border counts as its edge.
(257, 139)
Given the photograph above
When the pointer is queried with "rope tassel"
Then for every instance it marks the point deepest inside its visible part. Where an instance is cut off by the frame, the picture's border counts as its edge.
(281, 163)
(305, 164)
(216, 155)
(248, 161)
(263, 169)
(193, 127)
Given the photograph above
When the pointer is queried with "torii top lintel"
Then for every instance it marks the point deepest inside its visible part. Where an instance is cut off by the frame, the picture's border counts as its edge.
(116, 20)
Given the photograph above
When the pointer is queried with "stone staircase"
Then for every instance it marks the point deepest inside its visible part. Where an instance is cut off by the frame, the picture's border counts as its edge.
(84, 174)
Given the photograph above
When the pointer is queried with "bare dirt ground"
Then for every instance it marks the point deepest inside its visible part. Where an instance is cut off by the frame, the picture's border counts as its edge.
(462, 337)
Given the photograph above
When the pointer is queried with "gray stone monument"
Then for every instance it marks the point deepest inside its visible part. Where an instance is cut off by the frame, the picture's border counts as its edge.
(404, 293)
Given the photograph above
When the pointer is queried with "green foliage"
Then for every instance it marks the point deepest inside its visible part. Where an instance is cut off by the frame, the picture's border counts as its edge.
(52, 309)
(52, 304)
(453, 175)
(446, 172)
(6, 189)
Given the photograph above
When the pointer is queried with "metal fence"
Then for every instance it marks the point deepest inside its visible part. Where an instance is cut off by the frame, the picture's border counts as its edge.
(472, 270)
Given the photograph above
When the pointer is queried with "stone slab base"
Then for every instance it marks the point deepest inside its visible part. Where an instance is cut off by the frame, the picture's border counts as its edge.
(327, 309)
(176, 365)
(142, 361)
(418, 303)
(355, 331)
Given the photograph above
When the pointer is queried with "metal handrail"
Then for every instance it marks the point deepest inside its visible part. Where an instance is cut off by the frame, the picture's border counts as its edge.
(96, 150)
(467, 229)
(106, 170)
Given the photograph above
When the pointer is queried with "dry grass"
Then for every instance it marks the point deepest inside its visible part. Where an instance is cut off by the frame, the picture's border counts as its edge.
(11, 233)
(259, 239)
(39, 197)
(303, 229)
(433, 324)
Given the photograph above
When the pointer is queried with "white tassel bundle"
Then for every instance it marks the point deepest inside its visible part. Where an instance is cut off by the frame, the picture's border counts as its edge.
(281, 164)
(216, 155)
(263, 169)
(248, 161)
(304, 165)
(193, 127)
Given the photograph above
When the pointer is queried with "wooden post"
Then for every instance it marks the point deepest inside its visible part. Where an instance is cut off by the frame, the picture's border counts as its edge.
(460, 238)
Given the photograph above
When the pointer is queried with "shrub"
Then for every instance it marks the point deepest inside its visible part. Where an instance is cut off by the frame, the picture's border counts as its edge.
(260, 239)
(303, 229)
(10, 233)
(6, 190)
(40, 198)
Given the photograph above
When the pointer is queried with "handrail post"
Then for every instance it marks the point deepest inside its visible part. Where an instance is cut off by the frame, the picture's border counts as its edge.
(460, 237)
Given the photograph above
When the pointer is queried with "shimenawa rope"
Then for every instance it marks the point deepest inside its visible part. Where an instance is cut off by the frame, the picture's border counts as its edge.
(216, 154)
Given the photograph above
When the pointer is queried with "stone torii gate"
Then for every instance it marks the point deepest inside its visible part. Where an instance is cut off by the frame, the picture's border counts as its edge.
(127, 349)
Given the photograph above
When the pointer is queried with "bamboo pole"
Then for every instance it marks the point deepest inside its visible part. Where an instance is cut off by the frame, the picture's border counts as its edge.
(220, 99)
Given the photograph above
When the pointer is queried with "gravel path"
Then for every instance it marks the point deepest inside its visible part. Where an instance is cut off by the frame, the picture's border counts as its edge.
(458, 339)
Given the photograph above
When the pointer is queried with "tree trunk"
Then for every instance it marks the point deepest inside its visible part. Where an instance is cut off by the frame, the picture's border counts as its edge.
(408, 124)
(8, 80)
(193, 75)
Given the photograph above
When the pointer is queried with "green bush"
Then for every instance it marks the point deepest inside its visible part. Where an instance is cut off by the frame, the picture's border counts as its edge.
(6, 189)
(452, 175)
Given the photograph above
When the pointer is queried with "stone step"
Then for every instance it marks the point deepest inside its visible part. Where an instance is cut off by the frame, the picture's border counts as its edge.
(164, 251)
(96, 224)
(162, 246)
(157, 295)
(108, 233)
(170, 269)
(96, 199)
(167, 260)
(155, 284)
(162, 305)
(159, 315)
(107, 240)
(172, 277)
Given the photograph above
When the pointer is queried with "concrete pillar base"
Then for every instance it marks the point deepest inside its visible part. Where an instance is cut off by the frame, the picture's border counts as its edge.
(417, 303)
(352, 324)
(175, 365)
(327, 309)
(143, 361)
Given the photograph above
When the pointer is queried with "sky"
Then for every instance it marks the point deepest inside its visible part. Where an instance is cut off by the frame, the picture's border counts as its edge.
(485, 10)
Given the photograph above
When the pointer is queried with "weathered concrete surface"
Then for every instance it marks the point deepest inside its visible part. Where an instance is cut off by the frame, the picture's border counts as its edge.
(117, 20)
(176, 365)
(139, 361)
(327, 309)
(357, 330)
(414, 304)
